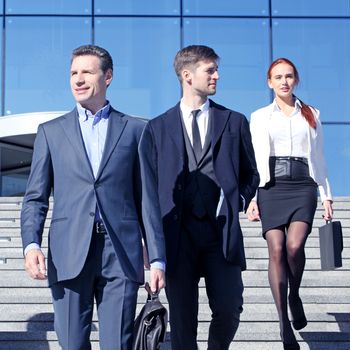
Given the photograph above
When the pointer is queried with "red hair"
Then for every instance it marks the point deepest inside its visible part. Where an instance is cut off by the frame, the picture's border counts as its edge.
(306, 110)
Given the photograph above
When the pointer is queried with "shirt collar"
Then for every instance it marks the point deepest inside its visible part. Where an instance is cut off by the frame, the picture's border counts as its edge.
(85, 114)
(297, 106)
(187, 111)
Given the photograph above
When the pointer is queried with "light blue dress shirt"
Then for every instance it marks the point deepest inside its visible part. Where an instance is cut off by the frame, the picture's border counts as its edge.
(94, 131)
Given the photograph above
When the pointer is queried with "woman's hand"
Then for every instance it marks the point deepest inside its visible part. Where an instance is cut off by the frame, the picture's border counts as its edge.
(253, 211)
(328, 210)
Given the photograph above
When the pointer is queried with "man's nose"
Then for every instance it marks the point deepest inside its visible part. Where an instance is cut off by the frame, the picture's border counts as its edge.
(216, 75)
(79, 79)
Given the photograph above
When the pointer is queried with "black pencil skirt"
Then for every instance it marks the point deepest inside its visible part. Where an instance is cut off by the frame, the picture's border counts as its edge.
(284, 201)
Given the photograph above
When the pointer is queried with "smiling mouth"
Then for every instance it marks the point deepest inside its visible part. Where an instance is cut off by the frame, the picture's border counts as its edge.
(79, 91)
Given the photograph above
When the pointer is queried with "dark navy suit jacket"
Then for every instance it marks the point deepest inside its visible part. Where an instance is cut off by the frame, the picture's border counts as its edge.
(163, 160)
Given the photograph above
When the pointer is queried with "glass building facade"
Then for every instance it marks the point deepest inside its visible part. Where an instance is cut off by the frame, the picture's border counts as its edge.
(143, 37)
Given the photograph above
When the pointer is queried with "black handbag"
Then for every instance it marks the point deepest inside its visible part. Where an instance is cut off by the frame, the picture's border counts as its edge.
(151, 323)
(331, 245)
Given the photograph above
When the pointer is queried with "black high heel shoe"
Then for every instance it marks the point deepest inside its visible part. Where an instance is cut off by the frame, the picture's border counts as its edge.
(288, 338)
(290, 346)
(297, 310)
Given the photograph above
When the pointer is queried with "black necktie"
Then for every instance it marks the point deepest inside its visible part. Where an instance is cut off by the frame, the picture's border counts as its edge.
(196, 137)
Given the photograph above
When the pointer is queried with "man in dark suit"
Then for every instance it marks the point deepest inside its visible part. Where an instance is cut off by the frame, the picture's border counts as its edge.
(198, 171)
(89, 158)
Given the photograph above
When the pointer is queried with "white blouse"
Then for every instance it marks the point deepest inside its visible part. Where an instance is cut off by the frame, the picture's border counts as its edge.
(288, 134)
(266, 122)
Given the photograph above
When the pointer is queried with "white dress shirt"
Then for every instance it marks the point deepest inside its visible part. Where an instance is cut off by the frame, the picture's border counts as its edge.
(202, 120)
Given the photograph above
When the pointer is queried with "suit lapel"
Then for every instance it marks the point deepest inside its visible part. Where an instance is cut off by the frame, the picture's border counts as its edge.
(207, 141)
(218, 119)
(189, 149)
(175, 130)
(70, 125)
(116, 125)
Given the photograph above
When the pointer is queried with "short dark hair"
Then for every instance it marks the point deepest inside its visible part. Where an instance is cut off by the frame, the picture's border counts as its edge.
(104, 56)
(191, 55)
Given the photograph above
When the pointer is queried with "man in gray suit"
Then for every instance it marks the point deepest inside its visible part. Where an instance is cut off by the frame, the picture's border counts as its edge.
(89, 158)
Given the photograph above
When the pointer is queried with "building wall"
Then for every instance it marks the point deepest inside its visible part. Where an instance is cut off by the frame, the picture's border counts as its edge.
(143, 37)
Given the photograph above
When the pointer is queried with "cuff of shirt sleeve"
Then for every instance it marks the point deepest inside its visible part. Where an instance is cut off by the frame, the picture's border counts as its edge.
(243, 202)
(31, 246)
(158, 264)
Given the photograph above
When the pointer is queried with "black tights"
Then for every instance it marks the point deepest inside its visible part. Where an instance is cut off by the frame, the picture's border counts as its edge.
(286, 264)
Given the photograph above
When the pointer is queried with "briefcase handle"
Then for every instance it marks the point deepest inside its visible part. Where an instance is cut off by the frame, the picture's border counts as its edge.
(151, 295)
(341, 236)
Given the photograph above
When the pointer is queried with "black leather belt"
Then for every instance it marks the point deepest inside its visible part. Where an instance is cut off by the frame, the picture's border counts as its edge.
(289, 167)
(291, 158)
(99, 227)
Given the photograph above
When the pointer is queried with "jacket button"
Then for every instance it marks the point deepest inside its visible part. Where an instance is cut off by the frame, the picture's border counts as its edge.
(175, 217)
(92, 214)
(179, 187)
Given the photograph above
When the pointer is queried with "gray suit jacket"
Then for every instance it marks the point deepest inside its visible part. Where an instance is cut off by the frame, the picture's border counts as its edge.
(60, 162)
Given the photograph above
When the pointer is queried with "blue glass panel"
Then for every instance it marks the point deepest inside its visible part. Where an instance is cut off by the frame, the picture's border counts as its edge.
(226, 7)
(310, 8)
(81, 7)
(137, 7)
(143, 50)
(1, 92)
(320, 48)
(243, 45)
(337, 152)
(38, 62)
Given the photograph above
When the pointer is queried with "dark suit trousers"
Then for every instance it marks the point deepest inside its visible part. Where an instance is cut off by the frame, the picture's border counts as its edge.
(73, 300)
(200, 254)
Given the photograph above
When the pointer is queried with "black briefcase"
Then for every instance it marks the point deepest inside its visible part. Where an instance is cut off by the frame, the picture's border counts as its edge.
(331, 245)
(150, 325)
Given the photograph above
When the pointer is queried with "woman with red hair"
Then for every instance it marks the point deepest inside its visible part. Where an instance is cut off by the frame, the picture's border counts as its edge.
(288, 144)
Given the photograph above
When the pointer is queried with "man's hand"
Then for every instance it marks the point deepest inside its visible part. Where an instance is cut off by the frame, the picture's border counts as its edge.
(35, 264)
(253, 211)
(157, 281)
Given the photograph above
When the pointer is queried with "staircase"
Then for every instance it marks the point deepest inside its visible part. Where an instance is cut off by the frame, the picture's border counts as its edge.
(26, 314)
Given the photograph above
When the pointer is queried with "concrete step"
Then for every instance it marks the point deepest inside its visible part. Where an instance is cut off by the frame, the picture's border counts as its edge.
(251, 253)
(241, 345)
(249, 242)
(250, 278)
(252, 264)
(14, 222)
(247, 232)
(241, 335)
(252, 295)
(14, 315)
(14, 212)
(18, 201)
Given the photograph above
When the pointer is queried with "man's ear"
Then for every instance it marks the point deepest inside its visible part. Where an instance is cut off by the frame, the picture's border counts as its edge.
(109, 76)
(186, 76)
